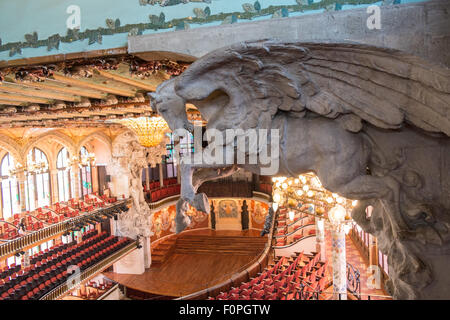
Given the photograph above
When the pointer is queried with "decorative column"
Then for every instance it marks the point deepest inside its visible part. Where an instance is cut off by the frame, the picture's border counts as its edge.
(76, 181)
(161, 177)
(337, 217)
(54, 185)
(147, 177)
(320, 236)
(23, 200)
(129, 159)
(95, 187)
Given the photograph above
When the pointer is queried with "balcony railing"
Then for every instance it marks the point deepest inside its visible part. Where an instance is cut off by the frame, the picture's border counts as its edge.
(90, 272)
(18, 244)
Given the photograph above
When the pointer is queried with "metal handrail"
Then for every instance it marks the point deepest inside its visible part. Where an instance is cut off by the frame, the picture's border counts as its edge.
(50, 231)
(90, 272)
(293, 232)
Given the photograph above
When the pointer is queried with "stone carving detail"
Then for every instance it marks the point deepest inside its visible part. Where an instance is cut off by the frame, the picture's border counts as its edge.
(372, 123)
(129, 158)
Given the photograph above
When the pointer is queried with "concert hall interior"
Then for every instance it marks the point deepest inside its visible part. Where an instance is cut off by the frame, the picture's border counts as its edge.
(224, 150)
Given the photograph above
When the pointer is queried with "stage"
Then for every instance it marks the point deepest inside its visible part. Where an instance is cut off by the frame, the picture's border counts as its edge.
(185, 273)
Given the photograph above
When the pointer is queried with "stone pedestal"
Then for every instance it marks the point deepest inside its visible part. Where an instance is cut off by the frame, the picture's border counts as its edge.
(132, 263)
(145, 242)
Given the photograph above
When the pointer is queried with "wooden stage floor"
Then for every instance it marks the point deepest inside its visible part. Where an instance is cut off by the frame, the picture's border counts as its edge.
(182, 274)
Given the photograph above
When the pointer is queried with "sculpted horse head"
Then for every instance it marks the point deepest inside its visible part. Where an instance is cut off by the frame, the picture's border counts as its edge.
(170, 106)
(341, 110)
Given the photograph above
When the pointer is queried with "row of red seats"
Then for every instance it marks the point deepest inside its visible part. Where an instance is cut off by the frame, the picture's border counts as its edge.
(165, 192)
(7, 232)
(48, 273)
(156, 184)
(301, 277)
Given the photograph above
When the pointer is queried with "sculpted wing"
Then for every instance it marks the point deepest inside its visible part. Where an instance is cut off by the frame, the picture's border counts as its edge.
(351, 82)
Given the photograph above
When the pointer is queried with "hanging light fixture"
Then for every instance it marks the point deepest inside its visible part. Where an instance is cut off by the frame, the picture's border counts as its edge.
(149, 130)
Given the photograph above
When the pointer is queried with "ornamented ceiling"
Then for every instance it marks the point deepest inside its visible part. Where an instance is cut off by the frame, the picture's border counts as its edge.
(82, 93)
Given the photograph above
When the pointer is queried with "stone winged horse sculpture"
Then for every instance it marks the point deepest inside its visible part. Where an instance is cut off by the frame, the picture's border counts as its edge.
(372, 123)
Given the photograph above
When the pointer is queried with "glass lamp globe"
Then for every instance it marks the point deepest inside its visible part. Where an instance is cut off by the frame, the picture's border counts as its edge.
(277, 198)
(337, 214)
(291, 215)
(274, 206)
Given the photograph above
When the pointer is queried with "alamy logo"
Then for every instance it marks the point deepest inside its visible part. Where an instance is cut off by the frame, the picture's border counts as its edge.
(74, 20)
(374, 20)
(75, 278)
(234, 146)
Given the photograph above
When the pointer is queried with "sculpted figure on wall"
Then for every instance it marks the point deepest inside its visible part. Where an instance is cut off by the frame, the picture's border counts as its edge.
(129, 158)
(372, 123)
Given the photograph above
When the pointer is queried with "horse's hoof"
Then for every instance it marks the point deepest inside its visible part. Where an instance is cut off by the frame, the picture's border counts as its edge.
(201, 203)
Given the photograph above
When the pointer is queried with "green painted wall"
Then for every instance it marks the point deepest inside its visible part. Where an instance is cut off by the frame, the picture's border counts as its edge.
(32, 28)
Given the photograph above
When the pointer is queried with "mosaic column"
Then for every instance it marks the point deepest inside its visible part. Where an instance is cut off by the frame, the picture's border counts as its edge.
(320, 237)
(339, 262)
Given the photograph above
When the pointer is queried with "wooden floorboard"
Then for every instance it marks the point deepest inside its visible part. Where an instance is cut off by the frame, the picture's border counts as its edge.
(182, 274)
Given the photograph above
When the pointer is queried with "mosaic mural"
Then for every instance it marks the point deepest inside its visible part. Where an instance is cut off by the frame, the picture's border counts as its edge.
(163, 221)
(48, 28)
(227, 209)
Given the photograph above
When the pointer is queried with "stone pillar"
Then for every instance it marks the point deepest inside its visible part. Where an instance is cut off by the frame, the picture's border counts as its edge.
(23, 200)
(132, 263)
(161, 177)
(147, 177)
(339, 262)
(145, 242)
(75, 172)
(95, 187)
(320, 236)
(54, 186)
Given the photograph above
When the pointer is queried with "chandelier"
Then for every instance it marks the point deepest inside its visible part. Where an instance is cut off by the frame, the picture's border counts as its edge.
(307, 189)
(16, 169)
(37, 167)
(149, 130)
(31, 168)
(83, 161)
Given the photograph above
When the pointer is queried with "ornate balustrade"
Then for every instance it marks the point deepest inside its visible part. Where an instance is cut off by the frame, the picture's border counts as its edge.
(90, 272)
(28, 240)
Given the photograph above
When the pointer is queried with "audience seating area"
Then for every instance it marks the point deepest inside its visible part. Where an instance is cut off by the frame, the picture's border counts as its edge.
(42, 217)
(291, 231)
(300, 277)
(50, 268)
(156, 192)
